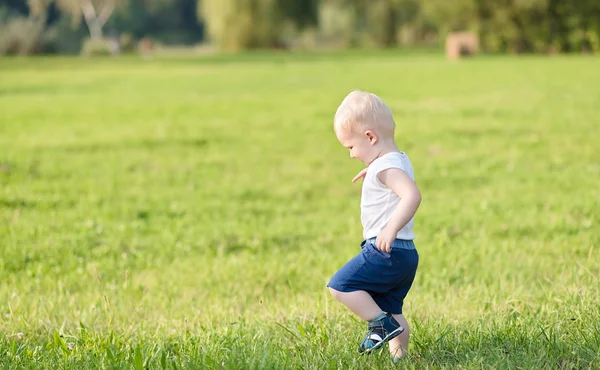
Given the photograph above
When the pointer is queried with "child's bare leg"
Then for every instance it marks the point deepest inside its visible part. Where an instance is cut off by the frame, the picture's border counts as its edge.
(399, 345)
(359, 302)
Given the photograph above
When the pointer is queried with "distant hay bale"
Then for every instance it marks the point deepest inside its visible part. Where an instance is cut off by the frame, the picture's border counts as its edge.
(146, 47)
(459, 44)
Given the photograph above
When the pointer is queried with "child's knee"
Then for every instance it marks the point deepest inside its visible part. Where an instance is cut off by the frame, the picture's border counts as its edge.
(336, 294)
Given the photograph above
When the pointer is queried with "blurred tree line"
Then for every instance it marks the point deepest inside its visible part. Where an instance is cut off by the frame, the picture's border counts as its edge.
(63, 26)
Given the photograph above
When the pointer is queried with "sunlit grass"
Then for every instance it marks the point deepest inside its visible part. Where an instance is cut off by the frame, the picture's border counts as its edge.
(188, 213)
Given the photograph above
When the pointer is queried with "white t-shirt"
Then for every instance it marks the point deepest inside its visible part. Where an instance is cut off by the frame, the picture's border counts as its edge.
(378, 202)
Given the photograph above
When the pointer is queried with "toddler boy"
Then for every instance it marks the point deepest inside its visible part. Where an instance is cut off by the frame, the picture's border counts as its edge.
(374, 284)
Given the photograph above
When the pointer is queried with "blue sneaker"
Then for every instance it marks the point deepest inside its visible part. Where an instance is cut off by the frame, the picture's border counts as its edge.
(381, 330)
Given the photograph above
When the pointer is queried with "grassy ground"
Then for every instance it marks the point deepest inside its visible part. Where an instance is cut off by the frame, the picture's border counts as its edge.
(186, 213)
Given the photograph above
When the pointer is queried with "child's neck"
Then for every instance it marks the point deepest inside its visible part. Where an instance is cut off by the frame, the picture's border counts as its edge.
(386, 147)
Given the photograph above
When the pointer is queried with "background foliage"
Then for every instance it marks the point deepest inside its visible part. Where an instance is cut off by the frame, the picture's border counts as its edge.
(513, 26)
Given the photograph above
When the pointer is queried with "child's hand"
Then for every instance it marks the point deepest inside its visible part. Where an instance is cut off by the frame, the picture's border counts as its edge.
(385, 239)
(361, 175)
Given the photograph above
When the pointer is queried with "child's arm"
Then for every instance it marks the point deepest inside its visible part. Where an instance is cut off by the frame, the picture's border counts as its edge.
(361, 174)
(410, 199)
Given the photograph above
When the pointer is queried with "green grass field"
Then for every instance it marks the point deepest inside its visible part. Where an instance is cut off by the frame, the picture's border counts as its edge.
(187, 213)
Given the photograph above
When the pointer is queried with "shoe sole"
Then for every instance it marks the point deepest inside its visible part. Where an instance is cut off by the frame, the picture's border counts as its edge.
(389, 337)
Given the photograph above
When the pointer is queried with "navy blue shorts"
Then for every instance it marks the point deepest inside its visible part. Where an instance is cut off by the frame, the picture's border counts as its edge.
(387, 277)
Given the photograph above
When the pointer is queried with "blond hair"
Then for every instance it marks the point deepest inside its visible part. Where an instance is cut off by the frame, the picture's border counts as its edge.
(361, 111)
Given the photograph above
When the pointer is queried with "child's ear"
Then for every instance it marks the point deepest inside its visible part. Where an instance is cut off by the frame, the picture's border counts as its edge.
(371, 136)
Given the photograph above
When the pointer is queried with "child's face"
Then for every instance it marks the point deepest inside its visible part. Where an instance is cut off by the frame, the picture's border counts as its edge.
(361, 146)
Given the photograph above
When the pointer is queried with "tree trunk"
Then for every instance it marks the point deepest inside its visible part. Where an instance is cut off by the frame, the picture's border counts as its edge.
(95, 29)
(96, 21)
